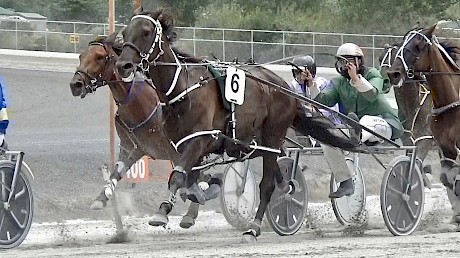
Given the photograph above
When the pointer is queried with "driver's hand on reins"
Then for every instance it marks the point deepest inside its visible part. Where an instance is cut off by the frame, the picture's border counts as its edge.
(307, 78)
(352, 72)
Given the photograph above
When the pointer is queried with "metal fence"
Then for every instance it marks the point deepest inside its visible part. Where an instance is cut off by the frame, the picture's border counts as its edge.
(224, 44)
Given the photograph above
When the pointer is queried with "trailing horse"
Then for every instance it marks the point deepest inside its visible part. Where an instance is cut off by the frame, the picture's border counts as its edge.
(200, 120)
(138, 119)
(421, 52)
(414, 107)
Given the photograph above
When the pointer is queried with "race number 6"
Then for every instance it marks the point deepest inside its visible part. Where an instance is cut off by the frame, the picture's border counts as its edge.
(235, 85)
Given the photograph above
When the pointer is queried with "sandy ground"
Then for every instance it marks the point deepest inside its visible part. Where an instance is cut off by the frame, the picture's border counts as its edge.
(321, 236)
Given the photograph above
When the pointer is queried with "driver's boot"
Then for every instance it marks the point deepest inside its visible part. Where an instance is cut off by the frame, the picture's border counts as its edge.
(346, 188)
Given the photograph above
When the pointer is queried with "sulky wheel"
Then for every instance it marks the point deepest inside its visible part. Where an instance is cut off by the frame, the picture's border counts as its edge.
(286, 212)
(349, 209)
(15, 215)
(238, 199)
(402, 197)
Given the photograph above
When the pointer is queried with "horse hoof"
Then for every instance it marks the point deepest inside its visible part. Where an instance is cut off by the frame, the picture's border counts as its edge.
(159, 220)
(195, 194)
(98, 205)
(455, 219)
(187, 222)
(249, 236)
(445, 181)
(122, 236)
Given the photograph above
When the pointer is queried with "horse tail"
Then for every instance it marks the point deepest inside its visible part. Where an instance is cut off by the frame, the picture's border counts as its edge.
(323, 130)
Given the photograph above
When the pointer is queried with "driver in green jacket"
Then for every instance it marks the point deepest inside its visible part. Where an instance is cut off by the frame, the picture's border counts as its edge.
(359, 91)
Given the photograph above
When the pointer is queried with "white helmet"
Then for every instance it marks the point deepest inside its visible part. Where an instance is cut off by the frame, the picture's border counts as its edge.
(376, 124)
(349, 49)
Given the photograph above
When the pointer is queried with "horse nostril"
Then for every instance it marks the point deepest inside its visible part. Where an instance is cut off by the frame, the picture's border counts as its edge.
(77, 84)
(128, 66)
(394, 75)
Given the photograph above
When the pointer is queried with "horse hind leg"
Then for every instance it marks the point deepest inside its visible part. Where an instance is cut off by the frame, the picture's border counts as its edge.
(266, 186)
(212, 186)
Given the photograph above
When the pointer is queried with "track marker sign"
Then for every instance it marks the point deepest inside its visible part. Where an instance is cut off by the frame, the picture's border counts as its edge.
(139, 171)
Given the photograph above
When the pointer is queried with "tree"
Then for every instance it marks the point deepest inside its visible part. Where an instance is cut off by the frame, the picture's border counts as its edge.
(362, 15)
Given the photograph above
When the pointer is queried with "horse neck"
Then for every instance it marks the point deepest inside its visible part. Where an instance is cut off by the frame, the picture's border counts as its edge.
(135, 101)
(444, 88)
(119, 90)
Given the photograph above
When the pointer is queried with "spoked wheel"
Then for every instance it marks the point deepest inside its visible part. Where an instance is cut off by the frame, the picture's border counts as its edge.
(286, 212)
(402, 197)
(15, 215)
(239, 195)
(349, 209)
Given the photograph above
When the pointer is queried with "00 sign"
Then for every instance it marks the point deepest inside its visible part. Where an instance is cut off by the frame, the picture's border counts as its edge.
(137, 170)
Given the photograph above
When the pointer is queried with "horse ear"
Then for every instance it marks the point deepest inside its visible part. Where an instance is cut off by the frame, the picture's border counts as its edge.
(430, 30)
(139, 10)
(111, 38)
(167, 20)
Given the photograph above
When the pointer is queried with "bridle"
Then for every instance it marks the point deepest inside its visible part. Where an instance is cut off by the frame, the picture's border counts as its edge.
(410, 71)
(96, 81)
(145, 62)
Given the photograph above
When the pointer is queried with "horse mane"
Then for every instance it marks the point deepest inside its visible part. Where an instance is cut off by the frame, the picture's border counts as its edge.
(188, 57)
(167, 20)
(98, 39)
(452, 48)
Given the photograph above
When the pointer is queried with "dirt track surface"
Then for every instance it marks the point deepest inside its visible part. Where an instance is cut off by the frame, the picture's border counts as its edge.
(222, 241)
(321, 236)
(227, 244)
(66, 139)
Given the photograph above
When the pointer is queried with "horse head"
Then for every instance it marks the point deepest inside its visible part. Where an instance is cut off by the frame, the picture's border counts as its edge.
(421, 52)
(96, 66)
(146, 38)
(412, 56)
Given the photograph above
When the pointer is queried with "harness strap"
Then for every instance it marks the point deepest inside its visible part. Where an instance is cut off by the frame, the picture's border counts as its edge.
(185, 92)
(438, 111)
(213, 133)
(131, 129)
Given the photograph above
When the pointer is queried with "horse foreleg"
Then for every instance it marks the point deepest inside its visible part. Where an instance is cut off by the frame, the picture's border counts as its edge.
(189, 218)
(183, 175)
(124, 162)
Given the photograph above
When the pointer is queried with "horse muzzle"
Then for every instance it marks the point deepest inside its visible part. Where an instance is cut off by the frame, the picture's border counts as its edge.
(125, 70)
(77, 86)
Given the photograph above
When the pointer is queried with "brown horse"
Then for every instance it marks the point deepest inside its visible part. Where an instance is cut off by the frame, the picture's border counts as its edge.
(422, 52)
(414, 107)
(138, 119)
(196, 119)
